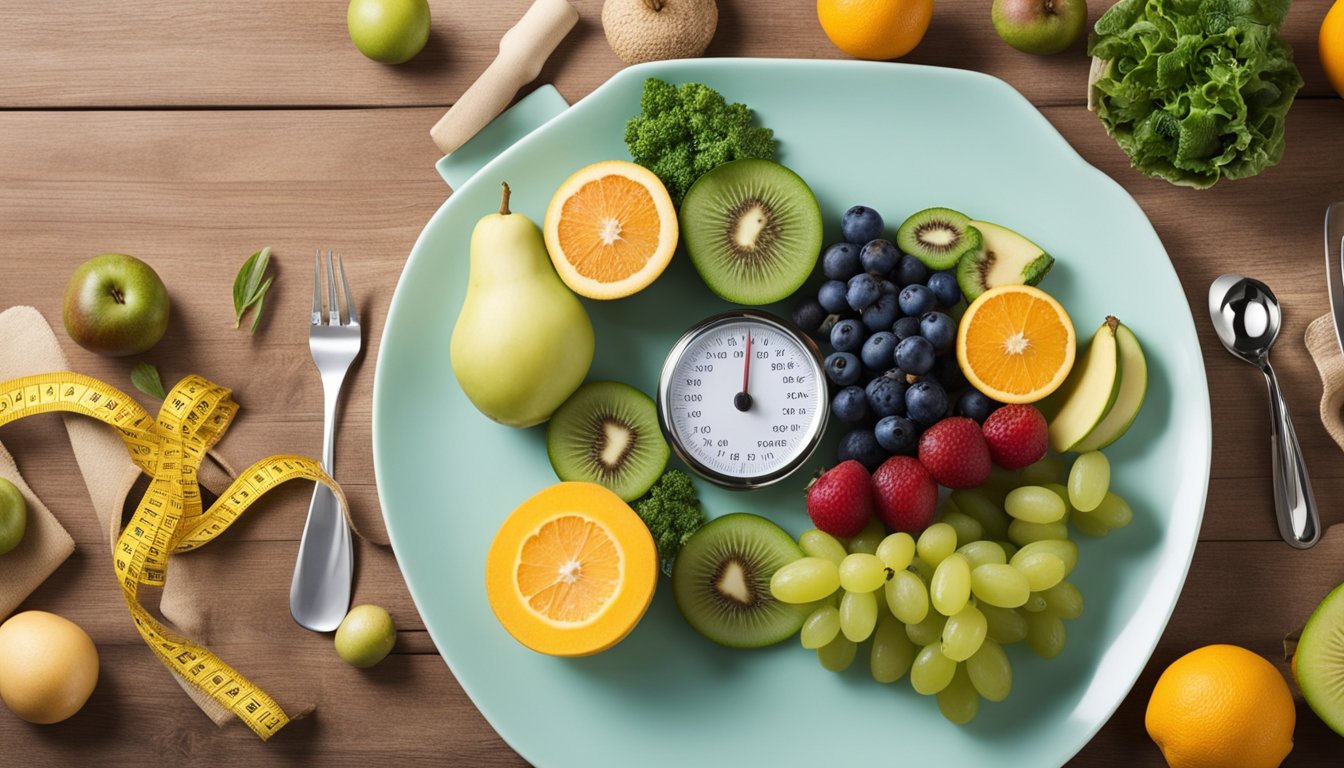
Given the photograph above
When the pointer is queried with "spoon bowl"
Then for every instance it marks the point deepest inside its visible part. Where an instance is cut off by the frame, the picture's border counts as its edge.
(1246, 315)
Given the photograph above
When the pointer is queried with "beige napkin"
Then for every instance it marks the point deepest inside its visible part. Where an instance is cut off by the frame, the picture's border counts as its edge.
(45, 545)
(1324, 348)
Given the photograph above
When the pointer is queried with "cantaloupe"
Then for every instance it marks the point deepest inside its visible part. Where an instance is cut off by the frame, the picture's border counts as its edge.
(571, 571)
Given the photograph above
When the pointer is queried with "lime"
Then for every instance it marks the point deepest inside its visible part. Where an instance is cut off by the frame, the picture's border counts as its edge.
(366, 636)
(390, 31)
(13, 516)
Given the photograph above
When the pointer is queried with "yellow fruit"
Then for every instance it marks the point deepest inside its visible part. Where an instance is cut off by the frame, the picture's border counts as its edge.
(1331, 44)
(611, 229)
(1222, 706)
(875, 29)
(366, 635)
(1016, 344)
(571, 571)
(48, 666)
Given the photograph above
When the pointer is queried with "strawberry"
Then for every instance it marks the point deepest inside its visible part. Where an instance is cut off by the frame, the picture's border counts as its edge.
(1017, 436)
(840, 501)
(907, 496)
(955, 453)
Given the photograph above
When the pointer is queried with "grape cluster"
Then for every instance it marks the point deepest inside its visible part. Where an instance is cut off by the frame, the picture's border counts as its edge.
(889, 321)
(941, 607)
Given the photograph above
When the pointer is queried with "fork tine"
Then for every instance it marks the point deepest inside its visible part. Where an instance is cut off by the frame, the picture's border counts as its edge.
(333, 304)
(317, 288)
(349, 297)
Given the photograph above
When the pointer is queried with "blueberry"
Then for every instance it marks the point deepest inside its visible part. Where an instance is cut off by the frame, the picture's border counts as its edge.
(878, 351)
(916, 299)
(911, 271)
(896, 434)
(831, 296)
(808, 315)
(861, 224)
(945, 289)
(848, 336)
(862, 291)
(841, 261)
(926, 402)
(888, 288)
(939, 329)
(882, 313)
(905, 328)
(915, 355)
(861, 445)
(974, 404)
(843, 368)
(850, 405)
(879, 257)
(948, 373)
(886, 395)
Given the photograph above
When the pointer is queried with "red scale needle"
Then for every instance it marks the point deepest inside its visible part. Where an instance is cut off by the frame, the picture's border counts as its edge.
(742, 400)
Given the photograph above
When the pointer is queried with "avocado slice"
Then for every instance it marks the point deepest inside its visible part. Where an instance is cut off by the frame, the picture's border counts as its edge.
(1003, 258)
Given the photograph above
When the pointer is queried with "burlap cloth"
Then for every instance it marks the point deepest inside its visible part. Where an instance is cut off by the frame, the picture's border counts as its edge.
(1324, 348)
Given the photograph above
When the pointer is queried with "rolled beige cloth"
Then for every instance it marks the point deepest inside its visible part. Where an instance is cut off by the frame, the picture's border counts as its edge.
(45, 545)
(1324, 348)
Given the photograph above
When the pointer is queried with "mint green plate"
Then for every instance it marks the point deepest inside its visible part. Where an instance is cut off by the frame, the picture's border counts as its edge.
(891, 136)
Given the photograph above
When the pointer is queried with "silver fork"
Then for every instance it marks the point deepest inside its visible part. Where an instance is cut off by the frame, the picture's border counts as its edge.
(319, 595)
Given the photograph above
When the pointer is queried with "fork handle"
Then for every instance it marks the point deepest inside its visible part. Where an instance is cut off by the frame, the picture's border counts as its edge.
(331, 395)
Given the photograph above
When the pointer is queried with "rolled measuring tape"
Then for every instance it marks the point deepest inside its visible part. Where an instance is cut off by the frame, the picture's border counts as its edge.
(170, 519)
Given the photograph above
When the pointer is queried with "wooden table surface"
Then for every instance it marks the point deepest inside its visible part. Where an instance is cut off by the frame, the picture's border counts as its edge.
(191, 134)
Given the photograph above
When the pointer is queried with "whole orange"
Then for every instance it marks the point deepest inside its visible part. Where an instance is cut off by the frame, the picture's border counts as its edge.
(1222, 706)
(875, 29)
(1331, 42)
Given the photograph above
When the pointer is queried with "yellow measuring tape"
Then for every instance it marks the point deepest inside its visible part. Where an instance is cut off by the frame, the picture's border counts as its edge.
(170, 518)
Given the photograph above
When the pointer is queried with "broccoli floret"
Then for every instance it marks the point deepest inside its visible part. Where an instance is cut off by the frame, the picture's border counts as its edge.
(685, 131)
(672, 512)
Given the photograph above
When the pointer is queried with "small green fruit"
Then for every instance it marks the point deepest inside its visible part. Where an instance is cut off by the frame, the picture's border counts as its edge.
(13, 516)
(390, 31)
(366, 636)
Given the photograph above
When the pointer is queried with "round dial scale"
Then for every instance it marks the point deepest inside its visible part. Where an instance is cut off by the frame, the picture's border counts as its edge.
(742, 398)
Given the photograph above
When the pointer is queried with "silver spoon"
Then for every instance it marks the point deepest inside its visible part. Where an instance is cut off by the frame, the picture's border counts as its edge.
(1247, 318)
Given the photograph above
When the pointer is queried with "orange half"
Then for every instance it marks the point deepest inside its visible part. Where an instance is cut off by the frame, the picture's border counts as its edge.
(611, 229)
(1016, 344)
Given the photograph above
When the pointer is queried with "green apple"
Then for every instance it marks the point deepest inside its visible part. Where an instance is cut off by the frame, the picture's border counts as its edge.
(1004, 258)
(1039, 26)
(1129, 399)
(390, 31)
(366, 636)
(115, 305)
(1089, 392)
(1318, 663)
(13, 516)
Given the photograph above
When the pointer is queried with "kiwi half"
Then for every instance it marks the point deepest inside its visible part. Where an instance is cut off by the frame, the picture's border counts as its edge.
(1318, 664)
(607, 433)
(721, 582)
(938, 237)
(752, 229)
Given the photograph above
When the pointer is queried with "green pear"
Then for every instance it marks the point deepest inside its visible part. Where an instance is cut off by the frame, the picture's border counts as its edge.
(523, 342)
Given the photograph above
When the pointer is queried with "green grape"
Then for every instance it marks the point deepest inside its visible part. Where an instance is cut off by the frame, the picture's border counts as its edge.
(815, 543)
(1062, 548)
(1035, 603)
(1034, 504)
(1063, 493)
(967, 527)
(931, 671)
(936, 542)
(1049, 469)
(892, 652)
(838, 654)
(1042, 569)
(1005, 625)
(1064, 600)
(928, 631)
(862, 573)
(951, 585)
(1113, 511)
(897, 550)
(1009, 549)
(1000, 585)
(868, 539)
(1045, 634)
(978, 553)
(921, 569)
(1021, 533)
(805, 580)
(858, 615)
(821, 627)
(907, 597)
(985, 511)
(990, 671)
(1087, 524)
(963, 633)
(959, 701)
(1088, 480)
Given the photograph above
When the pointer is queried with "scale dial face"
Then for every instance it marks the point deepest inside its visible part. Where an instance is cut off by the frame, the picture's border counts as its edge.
(742, 399)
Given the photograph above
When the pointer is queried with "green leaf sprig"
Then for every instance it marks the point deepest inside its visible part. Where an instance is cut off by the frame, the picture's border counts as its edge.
(145, 377)
(249, 289)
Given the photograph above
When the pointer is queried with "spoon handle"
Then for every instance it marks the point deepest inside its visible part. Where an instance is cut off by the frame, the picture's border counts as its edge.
(1294, 504)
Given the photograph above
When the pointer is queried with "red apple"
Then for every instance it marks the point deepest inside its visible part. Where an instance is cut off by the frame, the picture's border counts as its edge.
(1039, 26)
(115, 305)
